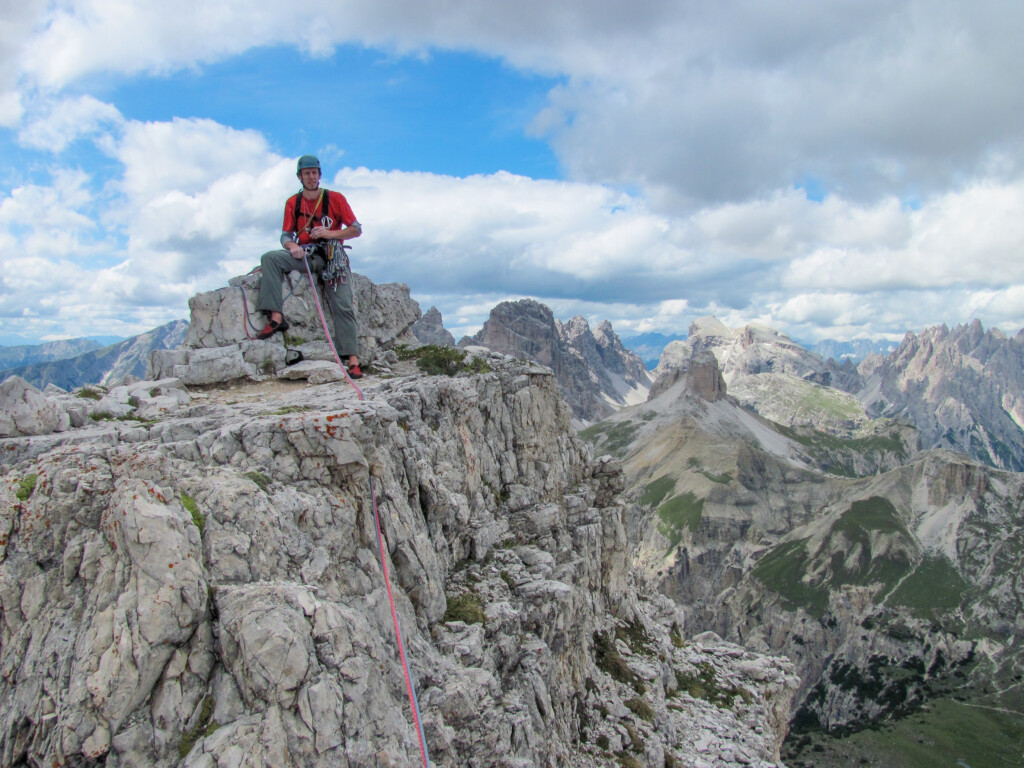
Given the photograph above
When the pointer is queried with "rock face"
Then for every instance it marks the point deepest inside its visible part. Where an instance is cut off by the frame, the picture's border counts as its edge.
(228, 316)
(889, 577)
(962, 388)
(106, 366)
(205, 590)
(595, 373)
(430, 329)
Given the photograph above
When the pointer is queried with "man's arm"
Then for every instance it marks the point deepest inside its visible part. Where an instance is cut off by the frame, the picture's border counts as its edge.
(288, 242)
(351, 232)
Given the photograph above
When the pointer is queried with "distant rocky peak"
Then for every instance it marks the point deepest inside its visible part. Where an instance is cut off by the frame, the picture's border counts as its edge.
(962, 387)
(702, 375)
(595, 373)
(709, 327)
(576, 326)
(430, 329)
(755, 348)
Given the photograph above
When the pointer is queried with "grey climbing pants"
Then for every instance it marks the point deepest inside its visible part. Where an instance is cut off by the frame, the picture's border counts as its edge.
(276, 264)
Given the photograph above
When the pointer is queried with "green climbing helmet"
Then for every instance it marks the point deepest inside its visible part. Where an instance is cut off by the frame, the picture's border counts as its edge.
(307, 161)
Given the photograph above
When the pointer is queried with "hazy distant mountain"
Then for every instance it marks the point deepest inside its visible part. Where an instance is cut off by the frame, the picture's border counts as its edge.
(649, 346)
(27, 354)
(855, 350)
(105, 365)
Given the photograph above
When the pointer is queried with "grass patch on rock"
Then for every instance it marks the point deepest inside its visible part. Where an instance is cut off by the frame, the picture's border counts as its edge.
(610, 661)
(26, 487)
(205, 726)
(641, 709)
(633, 634)
(193, 509)
(259, 478)
(442, 361)
(466, 608)
(703, 684)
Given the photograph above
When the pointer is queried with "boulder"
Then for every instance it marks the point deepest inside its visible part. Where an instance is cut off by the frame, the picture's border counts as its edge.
(24, 410)
(385, 314)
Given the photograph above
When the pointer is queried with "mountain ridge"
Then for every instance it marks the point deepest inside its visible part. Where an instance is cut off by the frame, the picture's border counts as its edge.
(883, 571)
(101, 365)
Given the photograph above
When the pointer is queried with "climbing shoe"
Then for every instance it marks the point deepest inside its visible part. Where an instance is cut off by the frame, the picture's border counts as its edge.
(354, 372)
(271, 328)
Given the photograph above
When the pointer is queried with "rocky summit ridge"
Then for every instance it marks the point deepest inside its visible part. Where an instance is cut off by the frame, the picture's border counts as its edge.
(196, 582)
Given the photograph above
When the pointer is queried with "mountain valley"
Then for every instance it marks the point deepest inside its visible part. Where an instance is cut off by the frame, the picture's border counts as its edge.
(889, 574)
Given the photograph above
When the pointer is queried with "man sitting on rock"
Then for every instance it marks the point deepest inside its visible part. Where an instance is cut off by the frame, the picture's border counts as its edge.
(316, 224)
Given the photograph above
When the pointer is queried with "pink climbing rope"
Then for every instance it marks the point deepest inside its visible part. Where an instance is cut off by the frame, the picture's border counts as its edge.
(410, 688)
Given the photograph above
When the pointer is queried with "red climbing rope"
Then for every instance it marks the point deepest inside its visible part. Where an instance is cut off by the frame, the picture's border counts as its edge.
(410, 688)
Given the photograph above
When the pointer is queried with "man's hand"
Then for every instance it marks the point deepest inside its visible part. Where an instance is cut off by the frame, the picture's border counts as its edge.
(295, 250)
(322, 233)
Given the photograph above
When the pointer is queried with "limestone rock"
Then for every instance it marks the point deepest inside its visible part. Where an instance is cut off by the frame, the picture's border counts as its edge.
(207, 590)
(595, 372)
(430, 329)
(24, 410)
(227, 316)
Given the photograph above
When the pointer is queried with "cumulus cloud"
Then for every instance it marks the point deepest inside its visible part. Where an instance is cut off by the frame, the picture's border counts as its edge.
(63, 122)
(699, 102)
(906, 116)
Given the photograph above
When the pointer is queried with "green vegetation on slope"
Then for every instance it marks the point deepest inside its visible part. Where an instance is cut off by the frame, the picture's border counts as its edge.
(656, 491)
(782, 571)
(943, 733)
(837, 455)
(851, 557)
(678, 514)
(613, 437)
(861, 525)
(934, 587)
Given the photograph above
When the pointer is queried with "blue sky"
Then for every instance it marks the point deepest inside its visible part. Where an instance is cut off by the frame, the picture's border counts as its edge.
(836, 170)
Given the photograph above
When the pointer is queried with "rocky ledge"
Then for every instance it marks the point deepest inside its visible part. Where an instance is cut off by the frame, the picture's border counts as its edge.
(202, 587)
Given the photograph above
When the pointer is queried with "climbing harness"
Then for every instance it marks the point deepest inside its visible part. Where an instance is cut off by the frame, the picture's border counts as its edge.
(410, 688)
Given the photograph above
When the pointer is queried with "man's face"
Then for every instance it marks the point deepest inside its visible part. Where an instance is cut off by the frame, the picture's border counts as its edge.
(310, 178)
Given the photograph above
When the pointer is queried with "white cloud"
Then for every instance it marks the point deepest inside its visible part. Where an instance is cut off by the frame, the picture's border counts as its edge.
(65, 121)
(699, 102)
(908, 114)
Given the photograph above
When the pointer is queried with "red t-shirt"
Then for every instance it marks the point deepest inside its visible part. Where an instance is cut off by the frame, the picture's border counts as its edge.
(333, 212)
